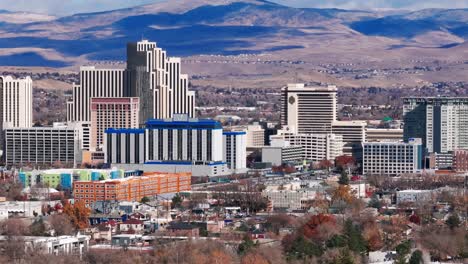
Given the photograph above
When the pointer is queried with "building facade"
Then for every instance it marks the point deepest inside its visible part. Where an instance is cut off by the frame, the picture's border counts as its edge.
(16, 102)
(154, 78)
(235, 150)
(282, 152)
(383, 134)
(308, 109)
(460, 160)
(441, 122)
(131, 188)
(177, 144)
(43, 145)
(108, 113)
(316, 147)
(255, 134)
(354, 135)
(393, 158)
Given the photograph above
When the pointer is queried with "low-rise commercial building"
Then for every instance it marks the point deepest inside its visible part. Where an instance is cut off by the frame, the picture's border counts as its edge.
(413, 196)
(316, 147)
(62, 245)
(131, 188)
(460, 160)
(383, 134)
(281, 152)
(393, 158)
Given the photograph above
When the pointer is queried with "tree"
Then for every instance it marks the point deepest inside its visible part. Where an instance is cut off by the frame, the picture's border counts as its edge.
(61, 224)
(353, 234)
(253, 258)
(301, 248)
(38, 228)
(246, 245)
(145, 200)
(344, 179)
(345, 162)
(343, 193)
(177, 201)
(403, 249)
(345, 257)
(325, 165)
(415, 219)
(311, 228)
(416, 257)
(375, 203)
(78, 214)
(453, 221)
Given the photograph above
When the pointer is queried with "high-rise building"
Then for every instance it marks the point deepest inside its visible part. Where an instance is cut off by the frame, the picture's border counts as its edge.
(308, 109)
(176, 144)
(95, 83)
(15, 104)
(441, 122)
(150, 75)
(354, 135)
(393, 158)
(235, 150)
(122, 112)
(43, 145)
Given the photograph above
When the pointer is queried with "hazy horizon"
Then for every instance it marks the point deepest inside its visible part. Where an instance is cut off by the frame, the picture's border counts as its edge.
(64, 8)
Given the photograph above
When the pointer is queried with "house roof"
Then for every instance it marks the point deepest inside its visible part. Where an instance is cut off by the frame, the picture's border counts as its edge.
(133, 222)
(181, 226)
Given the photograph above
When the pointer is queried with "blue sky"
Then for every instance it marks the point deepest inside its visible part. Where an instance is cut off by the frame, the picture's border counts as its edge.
(67, 7)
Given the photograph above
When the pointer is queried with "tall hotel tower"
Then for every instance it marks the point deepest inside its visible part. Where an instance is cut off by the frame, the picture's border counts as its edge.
(150, 75)
(15, 104)
(308, 109)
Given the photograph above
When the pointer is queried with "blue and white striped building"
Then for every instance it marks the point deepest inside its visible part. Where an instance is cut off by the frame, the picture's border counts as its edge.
(174, 145)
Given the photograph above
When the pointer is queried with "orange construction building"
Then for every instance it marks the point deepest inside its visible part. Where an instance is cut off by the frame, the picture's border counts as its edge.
(131, 188)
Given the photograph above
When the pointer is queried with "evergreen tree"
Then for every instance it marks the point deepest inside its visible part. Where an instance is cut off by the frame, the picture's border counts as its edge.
(343, 180)
(356, 241)
(453, 221)
(416, 257)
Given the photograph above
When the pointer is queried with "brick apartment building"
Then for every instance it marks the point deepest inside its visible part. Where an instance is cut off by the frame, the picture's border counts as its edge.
(131, 188)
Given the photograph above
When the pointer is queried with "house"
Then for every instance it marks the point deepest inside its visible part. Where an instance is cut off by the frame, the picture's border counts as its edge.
(182, 229)
(138, 216)
(132, 225)
(258, 234)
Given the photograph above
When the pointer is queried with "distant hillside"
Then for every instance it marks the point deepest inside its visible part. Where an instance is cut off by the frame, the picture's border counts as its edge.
(218, 27)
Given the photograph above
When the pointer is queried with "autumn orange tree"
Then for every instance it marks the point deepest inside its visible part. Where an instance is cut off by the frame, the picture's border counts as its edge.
(78, 214)
(311, 228)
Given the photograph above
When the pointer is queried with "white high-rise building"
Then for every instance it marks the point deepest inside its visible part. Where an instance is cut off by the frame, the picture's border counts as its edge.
(16, 104)
(441, 122)
(235, 150)
(94, 83)
(309, 110)
(150, 75)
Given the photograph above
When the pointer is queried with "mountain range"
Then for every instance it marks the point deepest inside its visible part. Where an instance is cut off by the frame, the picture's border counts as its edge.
(225, 27)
